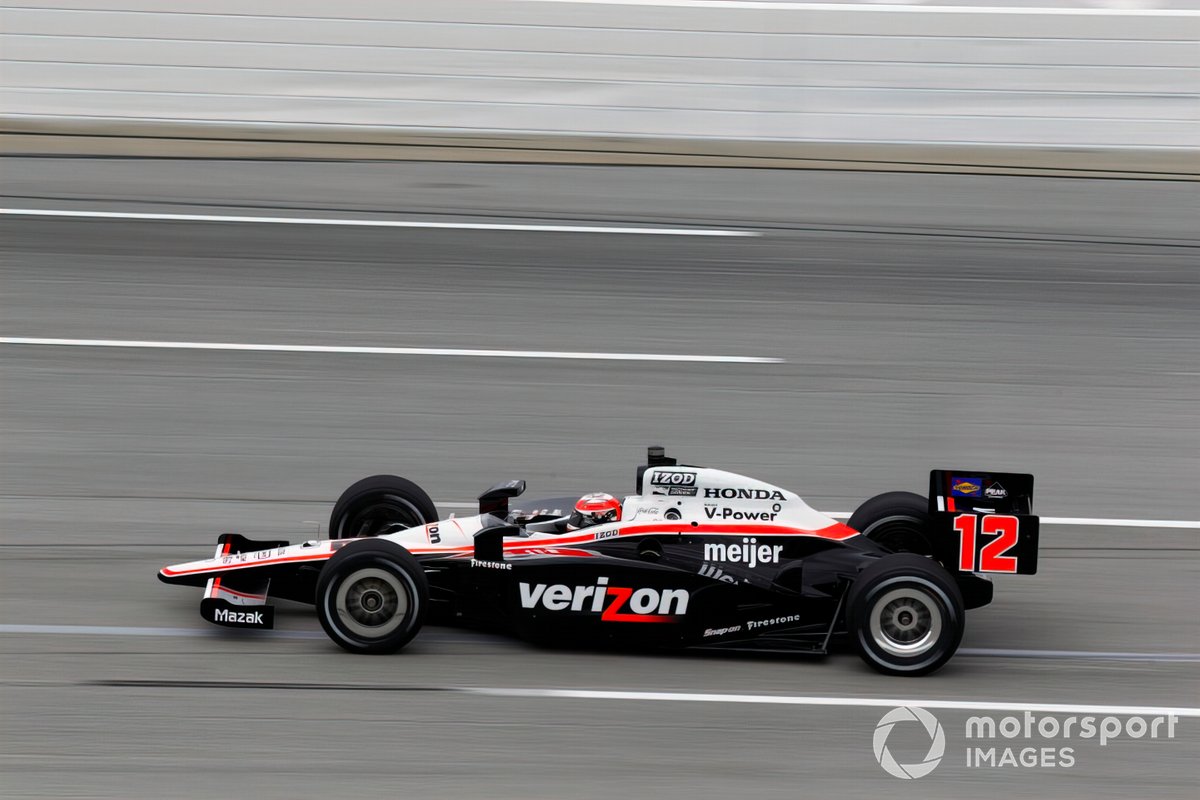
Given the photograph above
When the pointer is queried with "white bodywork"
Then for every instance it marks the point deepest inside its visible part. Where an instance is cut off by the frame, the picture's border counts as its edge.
(675, 500)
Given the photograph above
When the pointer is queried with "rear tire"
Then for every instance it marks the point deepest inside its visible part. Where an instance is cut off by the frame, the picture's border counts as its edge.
(372, 597)
(898, 521)
(905, 614)
(380, 504)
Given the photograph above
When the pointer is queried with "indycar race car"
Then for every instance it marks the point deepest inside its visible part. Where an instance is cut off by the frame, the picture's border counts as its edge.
(697, 558)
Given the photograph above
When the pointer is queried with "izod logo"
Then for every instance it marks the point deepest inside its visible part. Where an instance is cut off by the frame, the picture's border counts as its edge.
(673, 479)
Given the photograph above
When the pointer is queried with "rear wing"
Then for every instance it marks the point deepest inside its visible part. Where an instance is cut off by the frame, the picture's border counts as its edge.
(984, 521)
(986, 492)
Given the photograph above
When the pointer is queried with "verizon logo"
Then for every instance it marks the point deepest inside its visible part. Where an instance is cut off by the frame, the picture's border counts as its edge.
(612, 603)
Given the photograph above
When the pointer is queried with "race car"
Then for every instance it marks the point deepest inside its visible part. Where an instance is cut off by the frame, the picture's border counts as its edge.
(696, 558)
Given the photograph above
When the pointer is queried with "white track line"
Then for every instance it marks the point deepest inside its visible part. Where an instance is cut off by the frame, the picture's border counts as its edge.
(1095, 655)
(864, 8)
(1123, 523)
(127, 630)
(848, 702)
(377, 223)
(476, 638)
(433, 351)
(395, 351)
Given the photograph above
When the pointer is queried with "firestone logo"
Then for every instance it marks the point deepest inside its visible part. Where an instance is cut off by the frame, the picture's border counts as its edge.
(937, 742)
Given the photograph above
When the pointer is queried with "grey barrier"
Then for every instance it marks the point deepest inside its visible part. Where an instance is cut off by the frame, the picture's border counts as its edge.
(1079, 89)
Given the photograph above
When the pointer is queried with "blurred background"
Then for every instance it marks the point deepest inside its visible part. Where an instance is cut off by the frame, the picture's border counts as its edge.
(829, 245)
(1031, 84)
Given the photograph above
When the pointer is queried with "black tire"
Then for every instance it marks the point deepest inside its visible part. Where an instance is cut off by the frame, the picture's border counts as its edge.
(380, 504)
(372, 597)
(898, 521)
(905, 615)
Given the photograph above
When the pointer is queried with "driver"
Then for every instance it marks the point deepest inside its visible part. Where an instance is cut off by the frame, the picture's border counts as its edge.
(594, 509)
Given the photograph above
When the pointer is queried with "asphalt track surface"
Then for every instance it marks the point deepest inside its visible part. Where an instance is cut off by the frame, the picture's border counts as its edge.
(1042, 325)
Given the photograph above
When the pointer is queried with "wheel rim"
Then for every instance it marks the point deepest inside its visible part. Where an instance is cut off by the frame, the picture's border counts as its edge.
(371, 603)
(385, 515)
(906, 622)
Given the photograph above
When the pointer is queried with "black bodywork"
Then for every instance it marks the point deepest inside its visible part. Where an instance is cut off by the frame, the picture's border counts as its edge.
(795, 603)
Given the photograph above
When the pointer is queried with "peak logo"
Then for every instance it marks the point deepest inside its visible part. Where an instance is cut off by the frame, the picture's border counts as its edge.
(612, 603)
(995, 492)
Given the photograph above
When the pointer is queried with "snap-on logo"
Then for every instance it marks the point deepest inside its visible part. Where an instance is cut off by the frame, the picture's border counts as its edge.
(745, 494)
(612, 603)
(721, 631)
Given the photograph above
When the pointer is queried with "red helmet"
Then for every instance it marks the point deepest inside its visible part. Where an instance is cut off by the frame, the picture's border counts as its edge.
(596, 509)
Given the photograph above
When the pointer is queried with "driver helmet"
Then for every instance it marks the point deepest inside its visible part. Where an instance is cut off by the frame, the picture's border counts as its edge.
(595, 509)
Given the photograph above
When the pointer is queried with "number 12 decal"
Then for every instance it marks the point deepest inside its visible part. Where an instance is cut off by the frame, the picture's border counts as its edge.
(992, 556)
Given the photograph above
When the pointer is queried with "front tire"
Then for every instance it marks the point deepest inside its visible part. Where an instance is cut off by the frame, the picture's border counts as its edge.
(372, 597)
(378, 505)
(905, 614)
